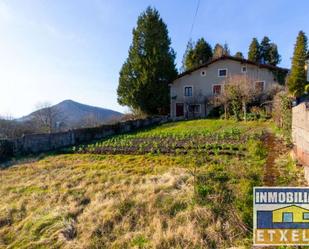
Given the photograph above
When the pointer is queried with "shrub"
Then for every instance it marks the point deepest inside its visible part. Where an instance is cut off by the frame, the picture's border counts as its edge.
(216, 112)
(282, 113)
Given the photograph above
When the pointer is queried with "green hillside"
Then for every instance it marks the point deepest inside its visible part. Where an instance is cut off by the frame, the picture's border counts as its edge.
(179, 185)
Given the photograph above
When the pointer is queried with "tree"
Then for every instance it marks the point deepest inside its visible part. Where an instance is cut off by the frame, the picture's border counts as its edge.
(269, 52)
(265, 50)
(238, 92)
(297, 78)
(47, 118)
(274, 57)
(11, 128)
(226, 49)
(239, 55)
(203, 51)
(254, 53)
(197, 55)
(149, 68)
(188, 57)
(218, 51)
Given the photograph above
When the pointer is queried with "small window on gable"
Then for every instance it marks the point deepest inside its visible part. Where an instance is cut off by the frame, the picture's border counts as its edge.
(306, 215)
(188, 91)
(243, 69)
(203, 73)
(259, 86)
(216, 89)
(222, 72)
(287, 217)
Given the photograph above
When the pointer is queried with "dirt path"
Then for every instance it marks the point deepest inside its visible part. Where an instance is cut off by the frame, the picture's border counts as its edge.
(275, 148)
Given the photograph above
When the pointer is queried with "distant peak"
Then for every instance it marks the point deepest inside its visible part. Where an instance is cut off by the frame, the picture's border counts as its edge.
(67, 101)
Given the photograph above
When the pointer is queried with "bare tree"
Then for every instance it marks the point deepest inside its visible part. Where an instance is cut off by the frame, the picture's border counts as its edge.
(91, 120)
(238, 91)
(47, 118)
(193, 102)
(11, 128)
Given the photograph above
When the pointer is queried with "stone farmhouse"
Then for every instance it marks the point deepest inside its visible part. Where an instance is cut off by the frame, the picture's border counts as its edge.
(191, 89)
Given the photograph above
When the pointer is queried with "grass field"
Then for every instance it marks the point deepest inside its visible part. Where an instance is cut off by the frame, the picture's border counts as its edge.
(179, 185)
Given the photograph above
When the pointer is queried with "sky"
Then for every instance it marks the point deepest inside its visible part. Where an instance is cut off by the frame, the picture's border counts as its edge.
(52, 50)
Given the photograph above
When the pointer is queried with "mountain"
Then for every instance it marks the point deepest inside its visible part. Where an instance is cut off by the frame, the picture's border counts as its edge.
(70, 114)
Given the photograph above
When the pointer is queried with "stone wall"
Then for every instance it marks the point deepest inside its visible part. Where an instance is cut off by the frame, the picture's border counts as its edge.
(37, 143)
(300, 134)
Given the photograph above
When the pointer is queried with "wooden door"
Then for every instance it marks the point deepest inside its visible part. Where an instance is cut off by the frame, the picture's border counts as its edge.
(179, 109)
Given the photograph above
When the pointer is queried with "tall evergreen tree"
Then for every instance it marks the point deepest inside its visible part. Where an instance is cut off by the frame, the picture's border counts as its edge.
(254, 53)
(269, 52)
(274, 56)
(226, 49)
(149, 68)
(203, 51)
(265, 50)
(197, 55)
(297, 78)
(188, 57)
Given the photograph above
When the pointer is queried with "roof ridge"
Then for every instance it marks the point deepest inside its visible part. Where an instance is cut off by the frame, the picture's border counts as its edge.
(229, 57)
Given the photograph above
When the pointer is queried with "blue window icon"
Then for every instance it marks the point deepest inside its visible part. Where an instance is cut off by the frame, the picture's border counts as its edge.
(306, 216)
(287, 217)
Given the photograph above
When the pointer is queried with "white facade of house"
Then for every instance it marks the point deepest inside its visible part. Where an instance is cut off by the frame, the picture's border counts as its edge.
(190, 91)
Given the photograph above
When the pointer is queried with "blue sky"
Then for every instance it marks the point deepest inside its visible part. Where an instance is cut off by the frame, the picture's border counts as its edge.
(51, 50)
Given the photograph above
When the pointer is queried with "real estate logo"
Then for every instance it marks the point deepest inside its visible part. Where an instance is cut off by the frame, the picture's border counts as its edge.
(281, 216)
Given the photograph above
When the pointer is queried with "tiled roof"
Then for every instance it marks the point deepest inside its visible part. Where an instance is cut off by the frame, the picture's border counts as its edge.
(225, 57)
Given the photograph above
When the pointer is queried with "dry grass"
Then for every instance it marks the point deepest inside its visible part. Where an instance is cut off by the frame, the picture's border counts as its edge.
(89, 201)
(131, 201)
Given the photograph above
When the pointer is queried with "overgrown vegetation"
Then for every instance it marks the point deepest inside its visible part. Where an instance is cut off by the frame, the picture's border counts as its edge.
(282, 114)
(198, 194)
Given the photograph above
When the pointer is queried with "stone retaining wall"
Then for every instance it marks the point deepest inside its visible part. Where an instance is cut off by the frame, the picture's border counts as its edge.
(300, 134)
(37, 143)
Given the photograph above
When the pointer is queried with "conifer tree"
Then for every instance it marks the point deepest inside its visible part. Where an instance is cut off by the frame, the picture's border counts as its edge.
(254, 53)
(226, 49)
(149, 68)
(265, 50)
(274, 57)
(197, 54)
(203, 51)
(297, 78)
(188, 57)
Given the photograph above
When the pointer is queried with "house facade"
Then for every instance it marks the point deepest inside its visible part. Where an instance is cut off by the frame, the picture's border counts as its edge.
(191, 90)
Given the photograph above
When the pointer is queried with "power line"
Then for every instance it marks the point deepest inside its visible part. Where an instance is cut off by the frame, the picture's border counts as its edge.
(194, 18)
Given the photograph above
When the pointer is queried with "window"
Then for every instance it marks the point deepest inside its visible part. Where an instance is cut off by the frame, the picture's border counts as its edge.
(259, 86)
(243, 69)
(195, 108)
(216, 89)
(203, 73)
(306, 216)
(222, 72)
(188, 91)
(287, 217)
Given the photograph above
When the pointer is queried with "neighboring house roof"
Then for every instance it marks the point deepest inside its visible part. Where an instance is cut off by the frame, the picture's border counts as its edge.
(226, 57)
